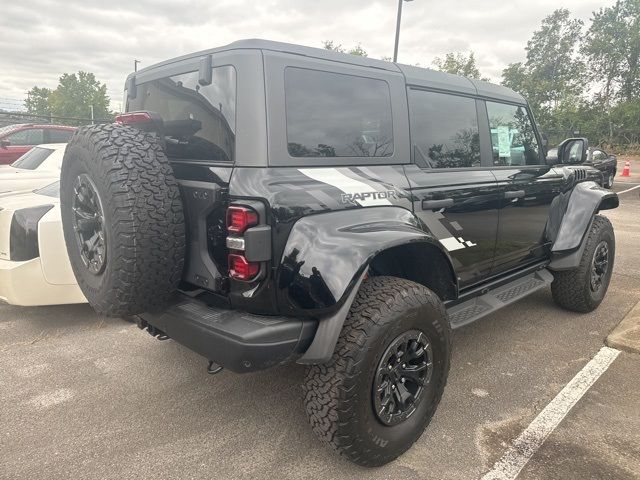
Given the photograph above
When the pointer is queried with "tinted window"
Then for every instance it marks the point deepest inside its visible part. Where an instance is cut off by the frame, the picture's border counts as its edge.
(32, 159)
(512, 137)
(59, 136)
(335, 115)
(444, 129)
(32, 136)
(199, 121)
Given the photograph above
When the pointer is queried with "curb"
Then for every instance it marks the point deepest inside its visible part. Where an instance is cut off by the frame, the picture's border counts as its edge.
(626, 336)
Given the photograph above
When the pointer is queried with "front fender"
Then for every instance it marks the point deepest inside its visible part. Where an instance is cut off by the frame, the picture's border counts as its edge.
(326, 255)
(580, 205)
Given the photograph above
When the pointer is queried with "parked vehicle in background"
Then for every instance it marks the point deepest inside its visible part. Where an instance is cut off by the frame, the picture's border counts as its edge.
(264, 203)
(597, 158)
(38, 167)
(34, 265)
(18, 139)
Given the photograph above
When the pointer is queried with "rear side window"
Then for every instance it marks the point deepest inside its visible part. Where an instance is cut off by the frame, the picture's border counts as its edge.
(32, 159)
(336, 115)
(199, 121)
(59, 136)
(31, 136)
(444, 129)
(512, 136)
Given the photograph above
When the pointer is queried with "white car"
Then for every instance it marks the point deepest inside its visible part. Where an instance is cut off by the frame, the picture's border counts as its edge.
(34, 265)
(38, 167)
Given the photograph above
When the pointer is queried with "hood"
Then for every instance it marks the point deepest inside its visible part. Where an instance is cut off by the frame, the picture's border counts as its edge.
(16, 180)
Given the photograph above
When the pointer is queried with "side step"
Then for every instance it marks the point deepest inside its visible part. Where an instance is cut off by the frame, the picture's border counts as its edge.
(477, 307)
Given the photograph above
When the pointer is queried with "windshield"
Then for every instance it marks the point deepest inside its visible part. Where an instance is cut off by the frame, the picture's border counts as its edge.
(33, 158)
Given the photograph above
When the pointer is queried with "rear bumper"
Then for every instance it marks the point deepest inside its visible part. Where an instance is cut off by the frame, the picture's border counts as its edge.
(23, 283)
(235, 340)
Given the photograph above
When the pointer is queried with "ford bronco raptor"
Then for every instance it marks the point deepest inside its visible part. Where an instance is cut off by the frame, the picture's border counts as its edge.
(264, 203)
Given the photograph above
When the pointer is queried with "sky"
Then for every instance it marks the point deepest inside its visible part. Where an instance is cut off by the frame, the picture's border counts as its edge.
(42, 39)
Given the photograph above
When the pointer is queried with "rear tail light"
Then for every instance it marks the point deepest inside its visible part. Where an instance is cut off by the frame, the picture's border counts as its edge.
(133, 117)
(147, 121)
(240, 218)
(241, 269)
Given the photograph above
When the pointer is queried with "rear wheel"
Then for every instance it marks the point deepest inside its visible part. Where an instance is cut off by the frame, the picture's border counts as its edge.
(122, 219)
(582, 289)
(379, 391)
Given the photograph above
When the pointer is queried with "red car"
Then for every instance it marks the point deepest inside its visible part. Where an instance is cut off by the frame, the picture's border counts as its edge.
(16, 140)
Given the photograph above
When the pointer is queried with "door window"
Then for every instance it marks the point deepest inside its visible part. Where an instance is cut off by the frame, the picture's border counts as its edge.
(32, 136)
(513, 139)
(444, 129)
(337, 115)
(59, 136)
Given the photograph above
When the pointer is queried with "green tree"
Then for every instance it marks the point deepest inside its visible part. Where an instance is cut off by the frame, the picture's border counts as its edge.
(459, 64)
(357, 50)
(37, 101)
(74, 96)
(611, 47)
(554, 69)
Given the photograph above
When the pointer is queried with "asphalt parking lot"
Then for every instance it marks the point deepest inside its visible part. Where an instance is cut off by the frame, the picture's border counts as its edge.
(84, 396)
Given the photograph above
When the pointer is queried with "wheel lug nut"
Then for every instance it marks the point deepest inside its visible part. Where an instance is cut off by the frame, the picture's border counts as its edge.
(404, 365)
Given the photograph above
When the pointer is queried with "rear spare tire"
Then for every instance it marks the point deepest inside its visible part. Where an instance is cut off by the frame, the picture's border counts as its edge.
(122, 219)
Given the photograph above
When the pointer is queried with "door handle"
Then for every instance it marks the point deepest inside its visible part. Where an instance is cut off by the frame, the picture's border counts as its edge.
(433, 204)
(514, 194)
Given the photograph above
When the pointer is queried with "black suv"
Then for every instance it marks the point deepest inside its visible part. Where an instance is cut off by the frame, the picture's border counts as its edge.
(264, 203)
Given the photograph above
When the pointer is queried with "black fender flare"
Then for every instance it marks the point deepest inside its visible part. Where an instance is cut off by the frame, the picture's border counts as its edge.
(570, 218)
(327, 257)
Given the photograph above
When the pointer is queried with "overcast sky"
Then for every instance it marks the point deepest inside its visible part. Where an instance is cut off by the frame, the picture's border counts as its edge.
(41, 39)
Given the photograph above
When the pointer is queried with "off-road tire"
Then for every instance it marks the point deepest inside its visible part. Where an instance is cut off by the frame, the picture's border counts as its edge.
(338, 395)
(143, 218)
(571, 289)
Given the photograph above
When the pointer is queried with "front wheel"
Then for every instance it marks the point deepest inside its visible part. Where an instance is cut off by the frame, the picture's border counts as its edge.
(582, 289)
(379, 391)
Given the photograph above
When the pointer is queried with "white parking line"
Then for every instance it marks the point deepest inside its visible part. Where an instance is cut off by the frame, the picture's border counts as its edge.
(628, 189)
(532, 438)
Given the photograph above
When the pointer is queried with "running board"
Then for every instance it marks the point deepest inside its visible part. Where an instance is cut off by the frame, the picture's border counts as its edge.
(487, 303)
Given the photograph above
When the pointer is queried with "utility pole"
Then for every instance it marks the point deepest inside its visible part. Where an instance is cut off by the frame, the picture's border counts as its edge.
(135, 65)
(92, 122)
(395, 47)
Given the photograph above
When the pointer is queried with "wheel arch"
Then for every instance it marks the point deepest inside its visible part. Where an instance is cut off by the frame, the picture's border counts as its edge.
(570, 219)
(328, 256)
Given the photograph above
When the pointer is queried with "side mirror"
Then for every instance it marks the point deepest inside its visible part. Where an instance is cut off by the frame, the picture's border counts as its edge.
(573, 151)
(4, 143)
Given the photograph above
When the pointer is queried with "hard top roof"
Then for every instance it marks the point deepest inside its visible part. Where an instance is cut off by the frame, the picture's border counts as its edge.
(417, 76)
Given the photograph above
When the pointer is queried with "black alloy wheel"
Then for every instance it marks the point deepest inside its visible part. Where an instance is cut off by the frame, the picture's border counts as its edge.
(88, 223)
(599, 265)
(404, 371)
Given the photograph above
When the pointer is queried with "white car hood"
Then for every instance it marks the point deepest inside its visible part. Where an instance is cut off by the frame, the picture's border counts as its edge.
(20, 180)
(8, 205)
